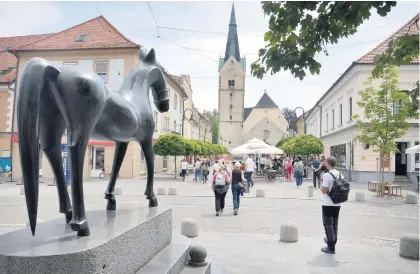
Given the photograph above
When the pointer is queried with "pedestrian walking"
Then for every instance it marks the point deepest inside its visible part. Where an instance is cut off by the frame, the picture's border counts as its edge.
(316, 172)
(197, 170)
(184, 166)
(204, 172)
(298, 168)
(331, 210)
(220, 187)
(289, 167)
(238, 180)
(249, 170)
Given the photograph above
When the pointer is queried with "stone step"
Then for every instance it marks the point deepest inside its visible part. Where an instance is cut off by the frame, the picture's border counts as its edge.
(207, 269)
(121, 241)
(171, 260)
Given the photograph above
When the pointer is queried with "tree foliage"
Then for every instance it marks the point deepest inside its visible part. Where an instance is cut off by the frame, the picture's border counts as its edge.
(296, 36)
(213, 117)
(305, 144)
(282, 141)
(385, 111)
(291, 118)
(175, 145)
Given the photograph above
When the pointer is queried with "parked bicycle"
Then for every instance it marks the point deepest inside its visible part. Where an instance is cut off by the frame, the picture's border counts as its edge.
(104, 174)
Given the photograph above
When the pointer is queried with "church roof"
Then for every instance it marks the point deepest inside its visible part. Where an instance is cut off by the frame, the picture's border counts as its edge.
(232, 43)
(247, 111)
(266, 102)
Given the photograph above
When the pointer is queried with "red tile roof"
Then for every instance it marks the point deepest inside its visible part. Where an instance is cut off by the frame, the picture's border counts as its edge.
(101, 34)
(9, 60)
(409, 28)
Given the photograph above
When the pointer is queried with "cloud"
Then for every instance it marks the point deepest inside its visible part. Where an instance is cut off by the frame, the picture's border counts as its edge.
(24, 18)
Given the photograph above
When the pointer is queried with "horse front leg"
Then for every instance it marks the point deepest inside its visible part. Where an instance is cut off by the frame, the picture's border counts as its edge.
(120, 150)
(147, 148)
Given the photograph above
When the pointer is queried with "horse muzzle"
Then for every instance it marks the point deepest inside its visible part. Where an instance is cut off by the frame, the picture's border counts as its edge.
(162, 105)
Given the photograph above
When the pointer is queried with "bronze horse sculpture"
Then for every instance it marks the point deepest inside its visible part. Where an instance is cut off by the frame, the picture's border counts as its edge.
(52, 99)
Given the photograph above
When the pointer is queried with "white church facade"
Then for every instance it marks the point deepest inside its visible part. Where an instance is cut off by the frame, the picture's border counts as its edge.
(238, 124)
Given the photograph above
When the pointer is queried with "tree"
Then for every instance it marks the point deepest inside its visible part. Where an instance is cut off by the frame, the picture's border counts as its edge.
(170, 145)
(299, 31)
(291, 118)
(213, 117)
(283, 140)
(385, 110)
(305, 144)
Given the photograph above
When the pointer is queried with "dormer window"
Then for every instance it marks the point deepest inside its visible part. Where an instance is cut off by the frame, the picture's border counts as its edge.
(81, 38)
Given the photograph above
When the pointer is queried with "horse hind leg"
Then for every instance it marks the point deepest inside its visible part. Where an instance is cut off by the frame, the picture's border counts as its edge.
(51, 130)
(147, 148)
(81, 101)
(120, 150)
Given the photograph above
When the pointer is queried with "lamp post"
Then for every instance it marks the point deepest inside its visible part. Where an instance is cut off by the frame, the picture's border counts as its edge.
(183, 118)
(205, 131)
(303, 118)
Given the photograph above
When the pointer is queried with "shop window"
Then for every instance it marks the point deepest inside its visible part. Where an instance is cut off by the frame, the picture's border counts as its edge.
(339, 152)
(165, 162)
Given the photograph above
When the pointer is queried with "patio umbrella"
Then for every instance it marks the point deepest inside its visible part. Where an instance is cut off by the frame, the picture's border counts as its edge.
(256, 148)
(413, 150)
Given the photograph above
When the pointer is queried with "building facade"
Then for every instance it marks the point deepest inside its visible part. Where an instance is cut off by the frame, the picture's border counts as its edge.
(103, 49)
(232, 72)
(331, 120)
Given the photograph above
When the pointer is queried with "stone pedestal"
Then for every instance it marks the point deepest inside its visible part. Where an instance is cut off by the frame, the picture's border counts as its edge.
(289, 232)
(310, 191)
(411, 199)
(121, 241)
(260, 193)
(360, 196)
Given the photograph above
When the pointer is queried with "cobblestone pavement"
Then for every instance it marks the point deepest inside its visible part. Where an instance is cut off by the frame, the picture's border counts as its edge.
(365, 229)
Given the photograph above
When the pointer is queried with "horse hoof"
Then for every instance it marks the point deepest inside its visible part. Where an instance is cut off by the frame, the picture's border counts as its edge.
(69, 216)
(112, 204)
(81, 227)
(153, 202)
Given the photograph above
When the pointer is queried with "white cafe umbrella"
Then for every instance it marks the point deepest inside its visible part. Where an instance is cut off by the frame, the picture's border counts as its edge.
(256, 148)
(413, 150)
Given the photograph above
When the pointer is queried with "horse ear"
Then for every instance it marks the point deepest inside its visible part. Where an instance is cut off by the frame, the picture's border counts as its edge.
(150, 57)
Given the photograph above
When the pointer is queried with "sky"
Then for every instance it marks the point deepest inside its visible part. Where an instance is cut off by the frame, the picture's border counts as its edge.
(196, 52)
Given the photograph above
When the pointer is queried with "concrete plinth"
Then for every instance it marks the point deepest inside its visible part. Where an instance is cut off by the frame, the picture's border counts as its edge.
(411, 199)
(409, 246)
(260, 192)
(189, 228)
(360, 196)
(121, 241)
(118, 191)
(172, 190)
(289, 232)
(161, 190)
(310, 191)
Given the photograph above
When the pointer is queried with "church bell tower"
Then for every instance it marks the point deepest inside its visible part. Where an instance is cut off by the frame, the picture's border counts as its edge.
(232, 72)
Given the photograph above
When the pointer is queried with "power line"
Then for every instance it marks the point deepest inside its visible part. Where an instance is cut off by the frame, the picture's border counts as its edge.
(189, 49)
(154, 19)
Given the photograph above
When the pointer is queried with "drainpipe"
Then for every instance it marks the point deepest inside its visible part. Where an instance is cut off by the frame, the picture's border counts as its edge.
(13, 112)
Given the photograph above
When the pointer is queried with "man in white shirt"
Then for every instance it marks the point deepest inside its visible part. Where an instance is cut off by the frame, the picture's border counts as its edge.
(215, 167)
(330, 211)
(262, 162)
(249, 170)
(184, 166)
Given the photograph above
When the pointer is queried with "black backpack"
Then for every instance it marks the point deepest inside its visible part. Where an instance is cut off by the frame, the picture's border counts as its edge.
(339, 192)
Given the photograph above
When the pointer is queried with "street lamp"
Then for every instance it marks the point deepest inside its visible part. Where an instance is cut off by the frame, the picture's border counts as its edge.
(183, 118)
(303, 118)
(205, 131)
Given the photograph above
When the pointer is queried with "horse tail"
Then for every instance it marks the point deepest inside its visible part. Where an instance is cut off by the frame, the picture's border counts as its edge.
(33, 80)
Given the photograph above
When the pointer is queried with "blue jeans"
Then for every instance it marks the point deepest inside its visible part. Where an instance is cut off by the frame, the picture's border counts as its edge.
(236, 193)
(197, 173)
(248, 176)
(298, 177)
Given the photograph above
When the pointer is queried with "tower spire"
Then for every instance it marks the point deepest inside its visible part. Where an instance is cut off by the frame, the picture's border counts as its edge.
(232, 44)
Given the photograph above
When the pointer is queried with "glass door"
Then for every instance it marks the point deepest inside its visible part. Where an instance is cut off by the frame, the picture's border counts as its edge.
(98, 157)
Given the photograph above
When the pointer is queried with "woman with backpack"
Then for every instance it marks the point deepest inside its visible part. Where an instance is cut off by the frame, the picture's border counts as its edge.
(298, 167)
(220, 187)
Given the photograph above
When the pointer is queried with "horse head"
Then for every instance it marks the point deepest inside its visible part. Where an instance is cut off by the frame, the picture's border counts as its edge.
(155, 79)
